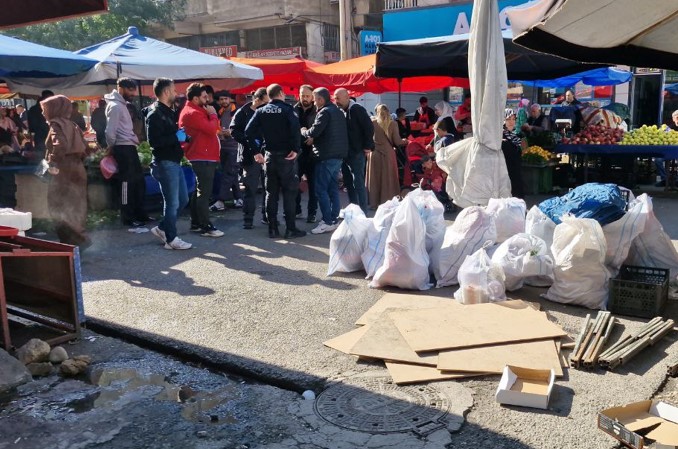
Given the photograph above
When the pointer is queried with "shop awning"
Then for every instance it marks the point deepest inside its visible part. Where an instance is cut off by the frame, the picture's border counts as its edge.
(19, 13)
(448, 56)
(289, 73)
(630, 32)
(25, 59)
(358, 75)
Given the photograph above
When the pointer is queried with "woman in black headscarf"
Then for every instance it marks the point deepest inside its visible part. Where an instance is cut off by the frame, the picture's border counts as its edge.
(67, 193)
(512, 147)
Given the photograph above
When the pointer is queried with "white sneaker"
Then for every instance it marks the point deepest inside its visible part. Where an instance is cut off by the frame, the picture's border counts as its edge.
(324, 227)
(238, 204)
(156, 231)
(211, 232)
(177, 243)
(218, 206)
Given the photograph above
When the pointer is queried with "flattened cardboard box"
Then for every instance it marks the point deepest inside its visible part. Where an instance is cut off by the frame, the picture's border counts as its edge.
(525, 387)
(640, 424)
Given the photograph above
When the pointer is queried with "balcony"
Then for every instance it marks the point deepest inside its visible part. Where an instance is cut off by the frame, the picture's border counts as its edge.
(395, 5)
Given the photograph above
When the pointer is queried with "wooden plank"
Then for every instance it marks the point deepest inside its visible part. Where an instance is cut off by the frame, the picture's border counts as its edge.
(480, 325)
(400, 301)
(383, 341)
(403, 373)
(345, 342)
(540, 354)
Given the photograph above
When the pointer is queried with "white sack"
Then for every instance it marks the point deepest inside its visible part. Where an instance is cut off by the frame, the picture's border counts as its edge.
(509, 216)
(405, 260)
(524, 259)
(348, 241)
(539, 224)
(580, 275)
(620, 234)
(480, 280)
(653, 247)
(473, 229)
(373, 255)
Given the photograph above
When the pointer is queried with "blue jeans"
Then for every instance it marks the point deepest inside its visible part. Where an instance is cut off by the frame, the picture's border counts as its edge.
(327, 188)
(661, 169)
(354, 179)
(174, 194)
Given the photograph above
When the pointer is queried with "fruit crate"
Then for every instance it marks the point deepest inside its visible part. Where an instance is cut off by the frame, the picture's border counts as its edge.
(639, 291)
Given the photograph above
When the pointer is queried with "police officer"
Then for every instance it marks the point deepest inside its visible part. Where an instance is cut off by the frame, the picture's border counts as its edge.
(274, 129)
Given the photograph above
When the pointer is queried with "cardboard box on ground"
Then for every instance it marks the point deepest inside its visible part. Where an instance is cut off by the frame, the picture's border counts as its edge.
(642, 424)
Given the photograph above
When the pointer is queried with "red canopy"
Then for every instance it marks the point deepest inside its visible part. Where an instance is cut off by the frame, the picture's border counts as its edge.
(19, 13)
(357, 75)
(289, 73)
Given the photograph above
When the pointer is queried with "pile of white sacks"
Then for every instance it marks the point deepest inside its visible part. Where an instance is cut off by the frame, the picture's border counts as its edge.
(501, 247)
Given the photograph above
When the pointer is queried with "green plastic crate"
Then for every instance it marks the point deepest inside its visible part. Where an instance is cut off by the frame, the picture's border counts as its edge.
(639, 291)
(537, 178)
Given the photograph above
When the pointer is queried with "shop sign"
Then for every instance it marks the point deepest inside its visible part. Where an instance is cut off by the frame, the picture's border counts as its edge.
(645, 71)
(332, 56)
(274, 53)
(226, 51)
(368, 42)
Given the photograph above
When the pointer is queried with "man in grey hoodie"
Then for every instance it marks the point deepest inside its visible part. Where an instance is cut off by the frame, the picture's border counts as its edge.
(122, 144)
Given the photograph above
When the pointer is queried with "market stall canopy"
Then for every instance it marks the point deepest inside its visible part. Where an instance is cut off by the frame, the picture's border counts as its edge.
(475, 166)
(449, 55)
(357, 75)
(143, 59)
(607, 76)
(19, 13)
(289, 73)
(25, 59)
(630, 32)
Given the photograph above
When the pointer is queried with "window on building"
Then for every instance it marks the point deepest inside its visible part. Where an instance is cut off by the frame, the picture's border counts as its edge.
(191, 42)
(276, 37)
(330, 37)
(218, 39)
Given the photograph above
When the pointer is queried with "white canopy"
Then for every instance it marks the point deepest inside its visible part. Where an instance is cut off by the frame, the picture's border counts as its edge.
(638, 33)
(476, 168)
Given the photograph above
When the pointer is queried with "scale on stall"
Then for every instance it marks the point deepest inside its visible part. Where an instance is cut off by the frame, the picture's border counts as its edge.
(39, 281)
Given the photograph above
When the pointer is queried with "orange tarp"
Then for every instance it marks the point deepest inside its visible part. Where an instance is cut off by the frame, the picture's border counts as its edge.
(357, 75)
(289, 73)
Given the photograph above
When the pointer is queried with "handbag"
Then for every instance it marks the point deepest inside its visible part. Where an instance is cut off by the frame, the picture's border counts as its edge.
(108, 166)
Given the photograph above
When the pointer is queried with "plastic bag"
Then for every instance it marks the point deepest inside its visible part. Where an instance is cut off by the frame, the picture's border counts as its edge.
(653, 247)
(620, 234)
(405, 259)
(480, 280)
(509, 216)
(377, 232)
(524, 259)
(431, 211)
(473, 229)
(537, 223)
(580, 275)
(348, 241)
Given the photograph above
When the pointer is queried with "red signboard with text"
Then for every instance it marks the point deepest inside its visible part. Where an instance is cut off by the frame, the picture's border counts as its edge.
(227, 51)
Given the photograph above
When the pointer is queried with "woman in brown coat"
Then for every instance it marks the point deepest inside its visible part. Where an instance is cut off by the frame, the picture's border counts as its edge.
(382, 167)
(67, 192)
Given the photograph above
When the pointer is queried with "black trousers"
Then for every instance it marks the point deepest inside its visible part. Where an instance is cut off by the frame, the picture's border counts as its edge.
(251, 176)
(306, 166)
(132, 183)
(514, 163)
(281, 175)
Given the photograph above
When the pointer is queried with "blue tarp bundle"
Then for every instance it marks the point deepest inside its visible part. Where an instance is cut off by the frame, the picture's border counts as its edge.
(602, 202)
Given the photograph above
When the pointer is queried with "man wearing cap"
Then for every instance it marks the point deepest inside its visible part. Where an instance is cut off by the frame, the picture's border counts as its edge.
(424, 113)
(229, 187)
(122, 144)
(329, 136)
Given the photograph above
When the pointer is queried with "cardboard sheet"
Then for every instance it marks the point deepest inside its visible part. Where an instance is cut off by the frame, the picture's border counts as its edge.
(407, 302)
(383, 341)
(651, 420)
(479, 325)
(403, 373)
(345, 342)
(539, 354)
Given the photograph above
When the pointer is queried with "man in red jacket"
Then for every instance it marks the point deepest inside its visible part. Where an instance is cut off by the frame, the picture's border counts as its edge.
(201, 123)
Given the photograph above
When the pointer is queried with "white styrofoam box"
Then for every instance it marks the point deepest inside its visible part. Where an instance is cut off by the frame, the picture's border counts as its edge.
(23, 221)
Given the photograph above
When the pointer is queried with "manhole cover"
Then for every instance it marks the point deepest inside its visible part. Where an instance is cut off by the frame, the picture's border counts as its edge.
(376, 405)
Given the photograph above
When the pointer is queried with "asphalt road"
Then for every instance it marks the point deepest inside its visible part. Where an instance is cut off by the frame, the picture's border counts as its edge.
(263, 307)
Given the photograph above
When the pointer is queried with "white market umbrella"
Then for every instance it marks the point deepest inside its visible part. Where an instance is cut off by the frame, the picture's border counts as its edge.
(143, 59)
(475, 166)
(639, 33)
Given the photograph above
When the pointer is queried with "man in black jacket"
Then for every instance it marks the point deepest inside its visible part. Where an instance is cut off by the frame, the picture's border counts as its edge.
(306, 111)
(360, 144)
(251, 168)
(330, 144)
(161, 129)
(274, 129)
(37, 124)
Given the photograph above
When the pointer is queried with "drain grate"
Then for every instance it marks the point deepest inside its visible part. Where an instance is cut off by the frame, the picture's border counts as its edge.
(377, 405)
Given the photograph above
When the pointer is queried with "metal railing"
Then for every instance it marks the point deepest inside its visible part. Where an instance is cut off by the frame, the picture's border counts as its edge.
(390, 5)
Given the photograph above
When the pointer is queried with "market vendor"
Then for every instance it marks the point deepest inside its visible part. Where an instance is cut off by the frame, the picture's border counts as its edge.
(537, 122)
(463, 117)
(512, 147)
(424, 113)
